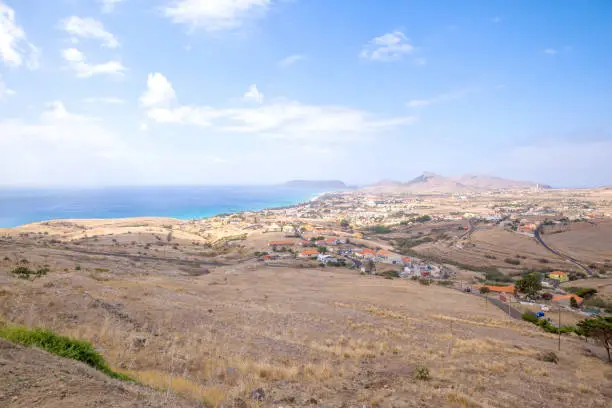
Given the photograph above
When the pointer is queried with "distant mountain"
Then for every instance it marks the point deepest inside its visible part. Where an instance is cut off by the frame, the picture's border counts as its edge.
(495, 183)
(322, 184)
(431, 182)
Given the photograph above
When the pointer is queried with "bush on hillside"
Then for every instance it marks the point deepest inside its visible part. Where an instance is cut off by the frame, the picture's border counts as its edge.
(390, 274)
(512, 261)
(59, 345)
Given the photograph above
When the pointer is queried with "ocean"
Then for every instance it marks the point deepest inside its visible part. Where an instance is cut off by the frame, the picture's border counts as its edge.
(22, 206)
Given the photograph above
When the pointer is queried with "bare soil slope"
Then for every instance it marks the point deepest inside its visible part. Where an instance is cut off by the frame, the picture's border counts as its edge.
(588, 242)
(33, 378)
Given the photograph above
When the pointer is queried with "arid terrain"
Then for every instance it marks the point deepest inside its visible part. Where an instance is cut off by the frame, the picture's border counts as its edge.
(256, 309)
(222, 333)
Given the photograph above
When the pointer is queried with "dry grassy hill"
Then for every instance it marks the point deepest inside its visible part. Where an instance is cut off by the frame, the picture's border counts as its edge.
(306, 337)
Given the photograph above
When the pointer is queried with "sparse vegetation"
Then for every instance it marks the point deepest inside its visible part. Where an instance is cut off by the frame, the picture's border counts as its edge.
(25, 272)
(59, 345)
(512, 261)
(421, 373)
(380, 229)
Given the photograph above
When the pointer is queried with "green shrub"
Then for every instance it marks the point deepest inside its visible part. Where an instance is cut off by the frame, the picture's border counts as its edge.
(425, 281)
(22, 272)
(493, 274)
(380, 229)
(530, 317)
(62, 346)
(512, 261)
(390, 274)
(77, 268)
(422, 373)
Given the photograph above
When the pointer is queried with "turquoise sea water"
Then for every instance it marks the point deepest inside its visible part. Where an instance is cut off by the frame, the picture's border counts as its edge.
(22, 206)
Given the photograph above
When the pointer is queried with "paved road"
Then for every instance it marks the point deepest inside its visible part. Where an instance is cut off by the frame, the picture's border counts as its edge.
(514, 313)
(538, 238)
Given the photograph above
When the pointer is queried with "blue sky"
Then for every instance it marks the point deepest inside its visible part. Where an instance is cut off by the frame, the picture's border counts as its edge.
(116, 92)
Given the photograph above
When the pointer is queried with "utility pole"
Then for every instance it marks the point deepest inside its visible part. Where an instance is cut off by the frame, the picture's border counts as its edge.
(559, 328)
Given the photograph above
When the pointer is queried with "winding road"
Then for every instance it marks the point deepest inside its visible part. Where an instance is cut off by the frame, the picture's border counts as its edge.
(568, 258)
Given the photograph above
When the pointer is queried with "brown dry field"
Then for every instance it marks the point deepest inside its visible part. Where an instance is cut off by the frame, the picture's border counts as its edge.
(603, 286)
(498, 243)
(307, 337)
(590, 243)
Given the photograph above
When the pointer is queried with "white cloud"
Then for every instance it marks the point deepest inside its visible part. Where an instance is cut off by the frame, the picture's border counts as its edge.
(291, 60)
(253, 95)
(550, 51)
(279, 119)
(15, 50)
(388, 47)
(421, 61)
(159, 91)
(108, 6)
(60, 147)
(215, 15)
(105, 100)
(78, 64)
(418, 103)
(88, 28)
(5, 91)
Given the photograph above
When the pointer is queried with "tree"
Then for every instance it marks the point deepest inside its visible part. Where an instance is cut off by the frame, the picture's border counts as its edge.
(573, 303)
(322, 249)
(600, 329)
(586, 293)
(484, 290)
(529, 284)
(344, 223)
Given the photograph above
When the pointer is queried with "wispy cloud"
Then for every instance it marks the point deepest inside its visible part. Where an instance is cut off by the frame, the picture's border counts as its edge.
(15, 49)
(280, 119)
(496, 20)
(78, 63)
(5, 91)
(88, 28)
(108, 6)
(291, 60)
(253, 95)
(215, 15)
(388, 47)
(550, 51)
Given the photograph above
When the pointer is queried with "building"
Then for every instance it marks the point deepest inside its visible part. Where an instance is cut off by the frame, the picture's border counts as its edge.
(565, 299)
(326, 259)
(273, 228)
(558, 275)
(289, 229)
(388, 257)
(366, 253)
(309, 253)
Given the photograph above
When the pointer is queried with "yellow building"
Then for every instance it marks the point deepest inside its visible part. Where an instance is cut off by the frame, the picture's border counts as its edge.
(560, 276)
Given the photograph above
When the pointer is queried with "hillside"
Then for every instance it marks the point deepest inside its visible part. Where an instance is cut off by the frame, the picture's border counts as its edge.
(249, 335)
(429, 182)
(34, 378)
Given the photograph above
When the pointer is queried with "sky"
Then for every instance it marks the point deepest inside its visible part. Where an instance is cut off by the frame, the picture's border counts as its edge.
(159, 92)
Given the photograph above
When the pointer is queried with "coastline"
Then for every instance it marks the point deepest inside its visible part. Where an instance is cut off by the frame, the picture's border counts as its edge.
(200, 215)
